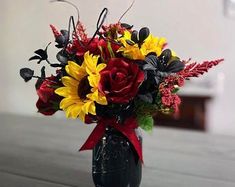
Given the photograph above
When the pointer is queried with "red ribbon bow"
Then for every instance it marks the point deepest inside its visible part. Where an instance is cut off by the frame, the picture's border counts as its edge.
(127, 129)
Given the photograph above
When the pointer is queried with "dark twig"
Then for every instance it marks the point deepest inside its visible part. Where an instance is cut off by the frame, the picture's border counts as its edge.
(99, 24)
(126, 11)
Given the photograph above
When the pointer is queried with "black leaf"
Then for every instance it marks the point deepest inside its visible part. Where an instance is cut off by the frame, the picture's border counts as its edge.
(65, 33)
(162, 74)
(153, 60)
(35, 58)
(62, 39)
(157, 80)
(41, 79)
(59, 46)
(56, 65)
(42, 53)
(43, 74)
(165, 56)
(127, 26)
(134, 36)
(175, 66)
(146, 97)
(143, 34)
(62, 57)
(26, 74)
(149, 67)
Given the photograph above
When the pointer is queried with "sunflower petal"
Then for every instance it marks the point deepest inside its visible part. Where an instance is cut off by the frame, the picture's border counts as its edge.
(82, 116)
(68, 111)
(90, 63)
(86, 107)
(73, 65)
(66, 91)
(62, 91)
(66, 102)
(76, 110)
(69, 81)
(102, 100)
(92, 109)
(94, 95)
(75, 71)
(94, 80)
(101, 67)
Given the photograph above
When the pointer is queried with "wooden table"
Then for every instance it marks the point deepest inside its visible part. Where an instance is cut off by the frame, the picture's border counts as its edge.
(42, 152)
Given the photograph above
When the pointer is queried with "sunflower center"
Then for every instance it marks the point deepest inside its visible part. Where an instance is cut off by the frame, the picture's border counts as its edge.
(84, 88)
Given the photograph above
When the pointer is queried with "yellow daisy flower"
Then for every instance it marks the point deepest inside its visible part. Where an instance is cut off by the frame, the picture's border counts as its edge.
(133, 51)
(80, 89)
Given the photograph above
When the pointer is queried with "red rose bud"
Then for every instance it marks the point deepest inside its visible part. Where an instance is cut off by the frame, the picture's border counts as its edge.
(120, 80)
(48, 102)
(46, 89)
(48, 108)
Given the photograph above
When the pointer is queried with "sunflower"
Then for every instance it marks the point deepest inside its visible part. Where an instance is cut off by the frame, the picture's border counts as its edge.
(80, 89)
(135, 51)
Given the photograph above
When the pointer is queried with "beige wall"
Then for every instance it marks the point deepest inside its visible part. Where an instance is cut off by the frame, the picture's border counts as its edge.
(196, 29)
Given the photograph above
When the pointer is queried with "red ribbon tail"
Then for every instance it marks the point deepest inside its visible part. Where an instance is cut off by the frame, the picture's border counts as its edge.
(131, 135)
(94, 137)
(137, 145)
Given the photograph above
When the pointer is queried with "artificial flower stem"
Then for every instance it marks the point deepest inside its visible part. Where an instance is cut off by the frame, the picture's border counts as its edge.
(48, 61)
(101, 56)
(37, 77)
(110, 50)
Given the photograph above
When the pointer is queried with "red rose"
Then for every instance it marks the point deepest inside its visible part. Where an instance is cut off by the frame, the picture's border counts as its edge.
(48, 101)
(120, 80)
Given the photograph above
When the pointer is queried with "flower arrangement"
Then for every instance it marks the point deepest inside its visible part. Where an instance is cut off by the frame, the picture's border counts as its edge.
(118, 77)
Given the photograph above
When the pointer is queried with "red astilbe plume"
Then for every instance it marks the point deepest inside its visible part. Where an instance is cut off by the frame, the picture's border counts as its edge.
(195, 69)
(55, 31)
(170, 101)
(81, 32)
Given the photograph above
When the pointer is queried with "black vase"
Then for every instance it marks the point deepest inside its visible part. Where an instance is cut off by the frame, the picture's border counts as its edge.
(115, 162)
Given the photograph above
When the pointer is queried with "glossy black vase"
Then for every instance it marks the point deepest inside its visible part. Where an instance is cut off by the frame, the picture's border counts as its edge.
(115, 162)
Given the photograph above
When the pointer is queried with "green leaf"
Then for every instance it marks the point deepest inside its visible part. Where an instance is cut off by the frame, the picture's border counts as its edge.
(175, 90)
(146, 123)
(143, 108)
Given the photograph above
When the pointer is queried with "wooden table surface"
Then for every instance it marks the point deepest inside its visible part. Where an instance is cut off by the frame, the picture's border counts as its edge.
(42, 152)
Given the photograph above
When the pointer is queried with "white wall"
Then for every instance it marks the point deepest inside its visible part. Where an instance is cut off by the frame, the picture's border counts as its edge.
(195, 28)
